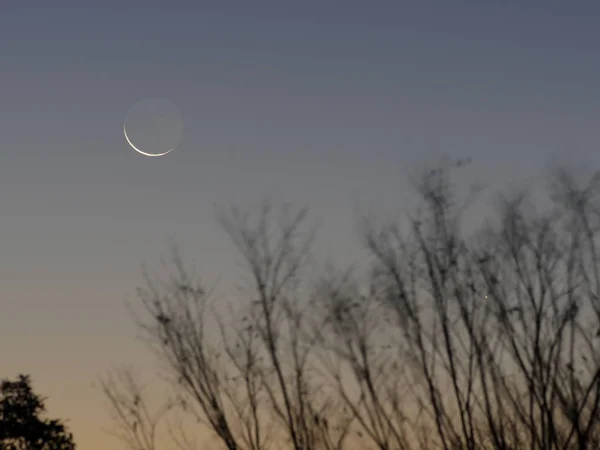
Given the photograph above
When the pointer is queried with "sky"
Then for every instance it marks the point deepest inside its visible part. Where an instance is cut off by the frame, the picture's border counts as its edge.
(321, 103)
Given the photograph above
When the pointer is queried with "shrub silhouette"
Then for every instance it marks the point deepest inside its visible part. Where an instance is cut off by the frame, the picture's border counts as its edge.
(21, 427)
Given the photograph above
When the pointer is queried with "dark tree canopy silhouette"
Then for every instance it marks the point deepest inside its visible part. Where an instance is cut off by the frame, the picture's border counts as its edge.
(21, 427)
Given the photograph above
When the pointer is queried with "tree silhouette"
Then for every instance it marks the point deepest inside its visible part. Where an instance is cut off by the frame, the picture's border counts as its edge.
(21, 427)
(448, 340)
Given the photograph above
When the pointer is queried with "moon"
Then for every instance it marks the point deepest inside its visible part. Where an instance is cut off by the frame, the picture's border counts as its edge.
(153, 127)
(139, 151)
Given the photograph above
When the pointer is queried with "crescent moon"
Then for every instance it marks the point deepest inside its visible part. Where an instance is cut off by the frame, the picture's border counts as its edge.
(139, 151)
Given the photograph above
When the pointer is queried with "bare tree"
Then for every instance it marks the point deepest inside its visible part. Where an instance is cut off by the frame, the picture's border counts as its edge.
(242, 347)
(259, 369)
(364, 367)
(500, 327)
(275, 259)
(451, 340)
(136, 423)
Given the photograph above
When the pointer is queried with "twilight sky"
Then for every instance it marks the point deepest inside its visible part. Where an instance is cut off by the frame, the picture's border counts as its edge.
(321, 102)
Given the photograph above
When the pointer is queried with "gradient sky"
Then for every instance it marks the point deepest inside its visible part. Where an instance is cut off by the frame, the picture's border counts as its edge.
(319, 101)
